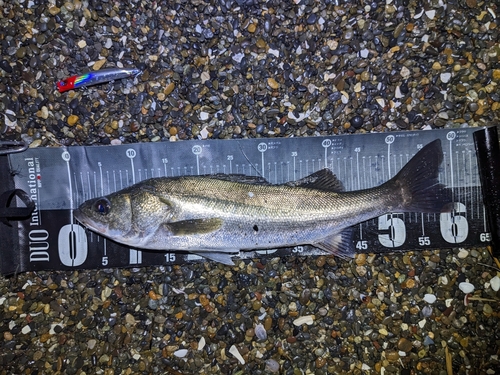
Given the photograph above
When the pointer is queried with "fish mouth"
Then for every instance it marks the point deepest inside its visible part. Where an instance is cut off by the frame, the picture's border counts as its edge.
(87, 222)
(100, 229)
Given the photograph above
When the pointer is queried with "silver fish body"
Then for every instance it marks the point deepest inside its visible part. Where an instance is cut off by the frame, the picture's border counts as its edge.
(216, 216)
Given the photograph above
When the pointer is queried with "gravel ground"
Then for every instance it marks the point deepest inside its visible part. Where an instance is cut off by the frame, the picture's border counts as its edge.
(238, 69)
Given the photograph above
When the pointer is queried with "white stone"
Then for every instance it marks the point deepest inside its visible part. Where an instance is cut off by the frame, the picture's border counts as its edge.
(203, 116)
(205, 76)
(466, 287)
(108, 44)
(234, 351)
(238, 57)
(495, 283)
(430, 14)
(405, 72)
(201, 343)
(462, 253)
(181, 353)
(306, 319)
(398, 94)
(26, 329)
(445, 77)
(344, 98)
(274, 52)
(311, 88)
(364, 53)
(430, 298)
(381, 102)
(204, 133)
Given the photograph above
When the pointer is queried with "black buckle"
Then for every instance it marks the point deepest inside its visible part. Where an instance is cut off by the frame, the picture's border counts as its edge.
(8, 213)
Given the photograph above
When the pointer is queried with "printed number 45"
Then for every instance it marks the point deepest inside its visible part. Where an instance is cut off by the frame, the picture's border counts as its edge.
(362, 245)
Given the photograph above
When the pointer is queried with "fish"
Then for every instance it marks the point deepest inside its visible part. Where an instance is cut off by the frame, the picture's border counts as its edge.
(95, 78)
(217, 216)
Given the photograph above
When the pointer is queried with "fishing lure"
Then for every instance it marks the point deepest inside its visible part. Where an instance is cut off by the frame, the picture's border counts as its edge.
(95, 78)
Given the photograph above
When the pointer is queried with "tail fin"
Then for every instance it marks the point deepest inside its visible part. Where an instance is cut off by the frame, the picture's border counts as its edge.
(418, 181)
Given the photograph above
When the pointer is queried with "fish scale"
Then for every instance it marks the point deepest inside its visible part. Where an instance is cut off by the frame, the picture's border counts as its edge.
(60, 179)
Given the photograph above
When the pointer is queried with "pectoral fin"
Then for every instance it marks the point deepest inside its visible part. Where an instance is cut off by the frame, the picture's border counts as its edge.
(194, 226)
(339, 244)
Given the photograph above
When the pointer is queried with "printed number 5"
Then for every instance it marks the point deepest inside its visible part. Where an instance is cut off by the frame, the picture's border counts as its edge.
(397, 230)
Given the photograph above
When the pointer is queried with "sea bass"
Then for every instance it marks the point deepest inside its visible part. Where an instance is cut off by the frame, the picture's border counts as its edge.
(217, 216)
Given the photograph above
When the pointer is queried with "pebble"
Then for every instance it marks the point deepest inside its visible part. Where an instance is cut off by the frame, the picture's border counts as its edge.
(272, 83)
(487, 309)
(466, 287)
(356, 122)
(99, 64)
(169, 88)
(307, 319)
(234, 351)
(72, 120)
(404, 345)
(260, 332)
(181, 353)
(5, 65)
(429, 298)
(436, 66)
(495, 283)
(44, 112)
(272, 366)
(445, 77)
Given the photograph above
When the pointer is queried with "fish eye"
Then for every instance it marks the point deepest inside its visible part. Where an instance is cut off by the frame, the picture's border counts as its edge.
(102, 206)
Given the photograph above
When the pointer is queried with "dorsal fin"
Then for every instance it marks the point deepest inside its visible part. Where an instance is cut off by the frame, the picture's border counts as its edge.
(252, 180)
(323, 179)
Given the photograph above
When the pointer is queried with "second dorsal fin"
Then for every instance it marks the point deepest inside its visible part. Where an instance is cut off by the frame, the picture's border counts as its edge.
(323, 179)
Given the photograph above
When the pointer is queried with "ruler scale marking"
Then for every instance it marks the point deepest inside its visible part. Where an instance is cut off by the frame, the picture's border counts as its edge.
(459, 172)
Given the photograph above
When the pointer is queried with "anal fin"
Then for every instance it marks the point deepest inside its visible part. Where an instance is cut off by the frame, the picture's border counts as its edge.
(223, 258)
(339, 244)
